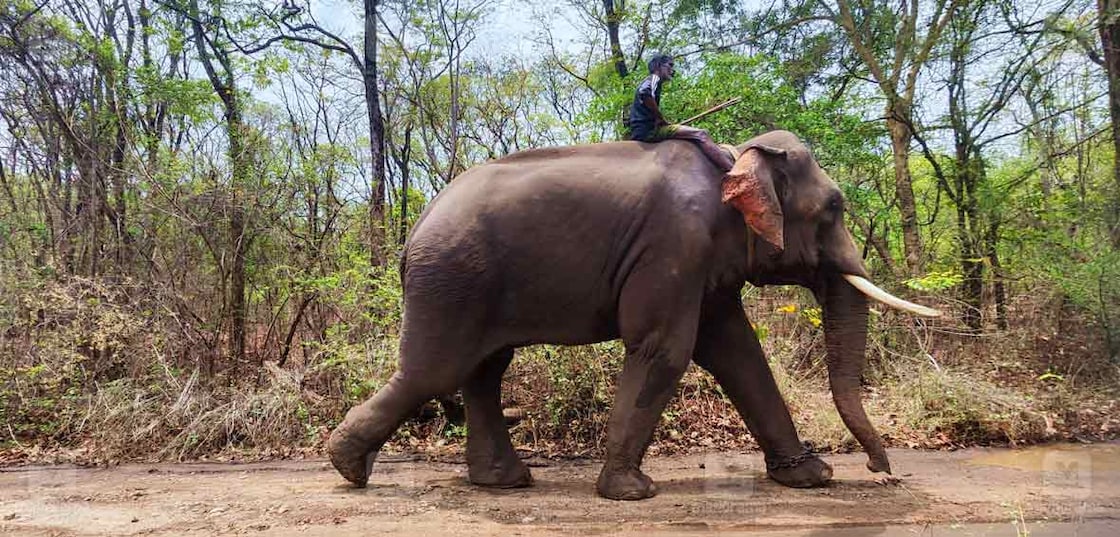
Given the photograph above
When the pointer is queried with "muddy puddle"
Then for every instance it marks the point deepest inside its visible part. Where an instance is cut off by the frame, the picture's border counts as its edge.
(1054, 458)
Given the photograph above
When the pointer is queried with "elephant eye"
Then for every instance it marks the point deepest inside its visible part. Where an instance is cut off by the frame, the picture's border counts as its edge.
(836, 204)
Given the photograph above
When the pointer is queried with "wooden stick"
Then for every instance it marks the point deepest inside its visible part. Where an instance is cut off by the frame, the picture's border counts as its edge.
(712, 110)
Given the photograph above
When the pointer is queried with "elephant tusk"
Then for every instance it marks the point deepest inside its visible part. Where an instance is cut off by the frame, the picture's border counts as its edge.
(873, 291)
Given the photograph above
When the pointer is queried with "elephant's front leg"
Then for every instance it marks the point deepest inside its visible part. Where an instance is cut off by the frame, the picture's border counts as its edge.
(729, 350)
(657, 321)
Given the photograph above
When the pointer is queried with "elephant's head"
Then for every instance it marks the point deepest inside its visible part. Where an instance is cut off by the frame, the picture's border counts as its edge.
(797, 215)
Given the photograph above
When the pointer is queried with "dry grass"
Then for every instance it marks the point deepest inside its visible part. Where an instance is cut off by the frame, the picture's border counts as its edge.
(180, 419)
(101, 376)
(964, 408)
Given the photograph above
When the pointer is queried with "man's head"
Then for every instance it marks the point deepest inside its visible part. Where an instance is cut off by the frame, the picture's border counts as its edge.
(661, 65)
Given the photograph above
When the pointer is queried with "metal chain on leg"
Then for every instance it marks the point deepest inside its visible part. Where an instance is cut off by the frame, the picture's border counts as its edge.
(790, 462)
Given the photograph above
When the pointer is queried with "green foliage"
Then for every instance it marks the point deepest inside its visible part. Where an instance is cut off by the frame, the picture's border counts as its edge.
(416, 203)
(612, 98)
(838, 136)
(267, 67)
(935, 281)
(190, 98)
(580, 378)
(80, 329)
(455, 431)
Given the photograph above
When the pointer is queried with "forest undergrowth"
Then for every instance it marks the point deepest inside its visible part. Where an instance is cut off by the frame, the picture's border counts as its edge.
(201, 205)
(107, 371)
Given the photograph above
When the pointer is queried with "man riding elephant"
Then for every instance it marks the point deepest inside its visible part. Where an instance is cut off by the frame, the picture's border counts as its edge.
(648, 125)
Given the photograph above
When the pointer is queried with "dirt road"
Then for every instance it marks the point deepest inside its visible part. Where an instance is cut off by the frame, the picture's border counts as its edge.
(1059, 490)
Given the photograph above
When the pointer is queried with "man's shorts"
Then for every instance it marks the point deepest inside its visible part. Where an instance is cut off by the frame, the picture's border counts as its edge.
(663, 132)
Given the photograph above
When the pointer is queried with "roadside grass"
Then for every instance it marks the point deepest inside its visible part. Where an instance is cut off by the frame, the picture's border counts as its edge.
(94, 374)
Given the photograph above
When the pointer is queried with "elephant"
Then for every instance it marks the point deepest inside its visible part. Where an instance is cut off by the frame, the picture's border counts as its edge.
(650, 243)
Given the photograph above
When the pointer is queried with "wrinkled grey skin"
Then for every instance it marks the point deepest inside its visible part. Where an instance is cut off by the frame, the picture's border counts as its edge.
(585, 244)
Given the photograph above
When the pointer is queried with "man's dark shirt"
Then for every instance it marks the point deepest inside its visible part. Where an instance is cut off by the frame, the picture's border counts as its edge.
(642, 119)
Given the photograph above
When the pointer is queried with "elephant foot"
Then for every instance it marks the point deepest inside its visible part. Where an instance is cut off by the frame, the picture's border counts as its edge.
(351, 458)
(802, 471)
(503, 475)
(629, 484)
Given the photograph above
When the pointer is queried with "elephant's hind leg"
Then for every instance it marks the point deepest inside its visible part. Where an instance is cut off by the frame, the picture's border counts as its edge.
(427, 370)
(354, 444)
(491, 459)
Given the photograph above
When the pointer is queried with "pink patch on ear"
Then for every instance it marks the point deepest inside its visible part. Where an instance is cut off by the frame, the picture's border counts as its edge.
(743, 190)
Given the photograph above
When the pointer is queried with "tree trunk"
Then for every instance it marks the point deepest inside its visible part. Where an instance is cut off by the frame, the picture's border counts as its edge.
(898, 123)
(969, 173)
(225, 86)
(972, 255)
(1109, 12)
(406, 149)
(87, 215)
(992, 247)
(613, 18)
(117, 172)
(878, 242)
(908, 56)
(238, 238)
(453, 35)
(376, 137)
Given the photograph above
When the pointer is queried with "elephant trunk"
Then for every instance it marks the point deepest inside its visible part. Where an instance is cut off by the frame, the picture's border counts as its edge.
(845, 331)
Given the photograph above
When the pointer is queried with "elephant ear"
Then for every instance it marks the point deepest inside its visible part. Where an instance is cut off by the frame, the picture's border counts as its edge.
(749, 187)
